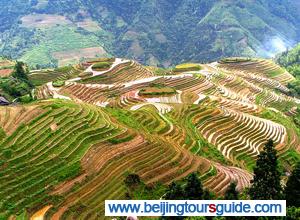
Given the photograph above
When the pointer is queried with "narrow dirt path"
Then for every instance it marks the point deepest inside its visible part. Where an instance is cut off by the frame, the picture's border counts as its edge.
(39, 215)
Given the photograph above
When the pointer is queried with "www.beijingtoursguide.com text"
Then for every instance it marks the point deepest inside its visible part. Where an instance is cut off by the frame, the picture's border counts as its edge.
(195, 207)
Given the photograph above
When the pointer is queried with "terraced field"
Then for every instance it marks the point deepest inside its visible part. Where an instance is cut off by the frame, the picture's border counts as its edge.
(6, 67)
(260, 67)
(64, 154)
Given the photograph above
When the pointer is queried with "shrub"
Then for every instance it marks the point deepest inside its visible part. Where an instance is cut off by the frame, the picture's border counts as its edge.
(15, 87)
(293, 213)
(63, 69)
(120, 140)
(70, 172)
(58, 83)
(235, 59)
(132, 180)
(101, 66)
(25, 99)
(7, 153)
(101, 59)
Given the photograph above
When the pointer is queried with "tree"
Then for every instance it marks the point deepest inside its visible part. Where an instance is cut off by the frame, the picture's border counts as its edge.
(292, 213)
(292, 189)
(132, 180)
(193, 189)
(7, 153)
(174, 192)
(20, 71)
(231, 193)
(266, 180)
(207, 195)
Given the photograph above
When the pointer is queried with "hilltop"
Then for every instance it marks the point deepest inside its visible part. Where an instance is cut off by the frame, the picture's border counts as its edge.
(49, 33)
(93, 123)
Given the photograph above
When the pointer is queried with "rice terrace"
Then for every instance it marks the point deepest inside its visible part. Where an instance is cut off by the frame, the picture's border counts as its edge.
(181, 102)
(92, 124)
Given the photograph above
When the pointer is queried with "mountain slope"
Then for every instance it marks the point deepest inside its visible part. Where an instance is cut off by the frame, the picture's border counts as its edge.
(198, 30)
(97, 121)
(291, 61)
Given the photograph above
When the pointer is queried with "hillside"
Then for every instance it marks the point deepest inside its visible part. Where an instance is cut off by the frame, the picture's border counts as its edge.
(291, 61)
(93, 123)
(50, 33)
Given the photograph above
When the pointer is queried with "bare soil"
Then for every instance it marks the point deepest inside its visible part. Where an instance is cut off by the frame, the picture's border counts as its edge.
(43, 20)
(66, 56)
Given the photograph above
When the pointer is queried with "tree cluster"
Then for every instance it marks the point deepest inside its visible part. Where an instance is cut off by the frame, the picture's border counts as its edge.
(291, 61)
(191, 190)
(266, 185)
(17, 85)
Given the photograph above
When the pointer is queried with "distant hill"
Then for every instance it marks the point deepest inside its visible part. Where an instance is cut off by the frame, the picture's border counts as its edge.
(164, 32)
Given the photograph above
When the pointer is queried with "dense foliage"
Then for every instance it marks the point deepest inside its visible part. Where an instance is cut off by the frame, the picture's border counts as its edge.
(291, 61)
(231, 193)
(193, 189)
(17, 85)
(58, 83)
(132, 180)
(174, 192)
(266, 170)
(292, 190)
(266, 180)
(101, 66)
